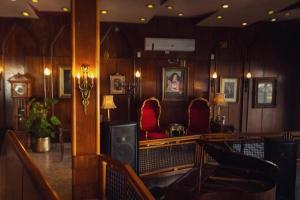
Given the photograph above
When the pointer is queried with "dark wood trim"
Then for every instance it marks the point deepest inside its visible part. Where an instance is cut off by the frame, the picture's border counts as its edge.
(34, 173)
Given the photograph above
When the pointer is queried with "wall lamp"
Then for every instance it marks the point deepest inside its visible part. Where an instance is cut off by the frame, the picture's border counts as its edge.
(247, 81)
(1, 76)
(85, 84)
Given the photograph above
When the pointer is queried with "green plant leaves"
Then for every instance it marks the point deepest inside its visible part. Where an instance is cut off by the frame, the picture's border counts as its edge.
(38, 121)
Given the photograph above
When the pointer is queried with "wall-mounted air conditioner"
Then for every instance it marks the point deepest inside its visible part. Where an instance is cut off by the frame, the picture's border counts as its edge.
(169, 44)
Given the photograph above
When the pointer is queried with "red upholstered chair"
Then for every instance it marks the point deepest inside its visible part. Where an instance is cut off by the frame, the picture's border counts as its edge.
(199, 112)
(149, 120)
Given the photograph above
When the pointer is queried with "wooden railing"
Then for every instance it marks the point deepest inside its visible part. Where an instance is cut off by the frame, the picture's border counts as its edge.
(176, 154)
(21, 178)
(120, 182)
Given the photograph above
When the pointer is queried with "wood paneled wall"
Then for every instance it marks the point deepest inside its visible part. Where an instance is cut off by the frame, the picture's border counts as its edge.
(26, 47)
(271, 50)
(263, 48)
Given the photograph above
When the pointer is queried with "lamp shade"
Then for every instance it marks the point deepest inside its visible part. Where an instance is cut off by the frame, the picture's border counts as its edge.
(219, 99)
(108, 102)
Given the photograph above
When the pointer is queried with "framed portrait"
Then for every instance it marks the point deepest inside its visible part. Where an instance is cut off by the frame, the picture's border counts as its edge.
(264, 92)
(117, 82)
(65, 82)
(230, 88)
(174, 83)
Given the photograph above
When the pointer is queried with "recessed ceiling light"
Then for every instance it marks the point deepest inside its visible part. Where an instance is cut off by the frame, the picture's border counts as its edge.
(104, 12)
(26, 14)
(219, 17)
(287, 14)
(142, 19)
(35, 1)
(225, 6)
(13, 0)
(271, 12)
(273, 20)
(169, 7)
(150, 5)
(244, 24)
(65, 9)
(180, 14)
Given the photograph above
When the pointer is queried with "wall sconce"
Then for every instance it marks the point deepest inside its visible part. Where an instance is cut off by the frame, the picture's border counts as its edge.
(47, 71)
(137, 74)
(247, 81)
(215, 75)
(85, 85)
(1, 76)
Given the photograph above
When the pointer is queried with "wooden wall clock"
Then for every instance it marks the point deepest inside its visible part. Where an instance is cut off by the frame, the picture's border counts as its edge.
(20, 93)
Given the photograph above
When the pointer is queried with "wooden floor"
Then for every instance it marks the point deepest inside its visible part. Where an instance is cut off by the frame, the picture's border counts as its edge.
(1, 179)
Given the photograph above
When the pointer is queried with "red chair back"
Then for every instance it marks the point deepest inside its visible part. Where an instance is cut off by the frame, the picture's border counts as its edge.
(199, 113)
(150, 114)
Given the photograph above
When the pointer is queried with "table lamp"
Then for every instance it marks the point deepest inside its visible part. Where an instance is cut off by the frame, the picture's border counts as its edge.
(219, 100)
(108, 103)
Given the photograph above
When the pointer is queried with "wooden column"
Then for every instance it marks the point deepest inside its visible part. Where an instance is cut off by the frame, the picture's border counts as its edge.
(85, 126)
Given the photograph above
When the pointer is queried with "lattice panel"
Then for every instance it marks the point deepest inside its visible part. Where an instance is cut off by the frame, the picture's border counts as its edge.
(115, 184)
(166, 157)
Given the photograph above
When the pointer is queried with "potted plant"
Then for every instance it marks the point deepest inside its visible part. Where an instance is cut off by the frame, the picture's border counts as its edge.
(41, 126)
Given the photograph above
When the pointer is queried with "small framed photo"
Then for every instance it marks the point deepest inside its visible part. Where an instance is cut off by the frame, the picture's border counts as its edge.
(230, 88)
(65, 82)
(117, 82)
(174, 83)
(264, 92)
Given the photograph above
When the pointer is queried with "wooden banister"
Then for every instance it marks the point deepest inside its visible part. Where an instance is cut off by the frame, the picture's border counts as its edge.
(43, 189)
(128, 172)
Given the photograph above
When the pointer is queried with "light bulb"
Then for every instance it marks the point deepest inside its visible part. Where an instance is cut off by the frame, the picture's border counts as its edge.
(137, 74)
(248, 75)
(215, 75)
(47, 71)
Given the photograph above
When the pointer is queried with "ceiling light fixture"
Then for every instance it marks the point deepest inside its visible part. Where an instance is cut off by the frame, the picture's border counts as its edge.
(219, 17)
(225, 6)
(142, 19)
(13, 0)
(169, 7)
(35, 1)
(26, 14)
(104, 12)
(287, 14)
(180, 14)
(244, 24)
(150, 5)
(65, 9)
(273, 20)
(271, 12)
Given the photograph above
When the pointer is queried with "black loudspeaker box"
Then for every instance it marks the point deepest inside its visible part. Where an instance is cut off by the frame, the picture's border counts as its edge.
(119, 141)
(284, 154)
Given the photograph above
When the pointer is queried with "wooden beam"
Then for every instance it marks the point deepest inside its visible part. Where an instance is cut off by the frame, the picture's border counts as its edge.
(85, 125)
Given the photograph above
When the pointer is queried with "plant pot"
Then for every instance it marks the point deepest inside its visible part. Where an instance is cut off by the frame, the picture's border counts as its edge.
(42, 144)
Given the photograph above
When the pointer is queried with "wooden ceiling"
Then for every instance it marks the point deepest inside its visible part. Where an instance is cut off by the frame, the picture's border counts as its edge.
(204, 12)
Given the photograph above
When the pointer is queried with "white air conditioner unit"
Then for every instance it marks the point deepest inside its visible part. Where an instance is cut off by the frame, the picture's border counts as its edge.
(169, 44)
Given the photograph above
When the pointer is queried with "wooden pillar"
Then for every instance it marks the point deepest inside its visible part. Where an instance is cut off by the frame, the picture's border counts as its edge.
(85, 126)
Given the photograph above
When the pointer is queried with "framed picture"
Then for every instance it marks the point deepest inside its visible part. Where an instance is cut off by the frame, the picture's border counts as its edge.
(230, 88)
(174, 83)
(117, 82)
(264, 92)
(65, 82)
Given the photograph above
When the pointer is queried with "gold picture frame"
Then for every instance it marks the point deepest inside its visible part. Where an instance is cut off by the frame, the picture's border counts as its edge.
(174, 83)
(64, 82)
(117, 82)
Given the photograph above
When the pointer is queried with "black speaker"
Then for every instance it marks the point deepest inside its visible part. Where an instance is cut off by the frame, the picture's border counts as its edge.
(284, 154)
(119, 141)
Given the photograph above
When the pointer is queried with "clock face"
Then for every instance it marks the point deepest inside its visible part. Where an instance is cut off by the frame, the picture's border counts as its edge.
(19, 90)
